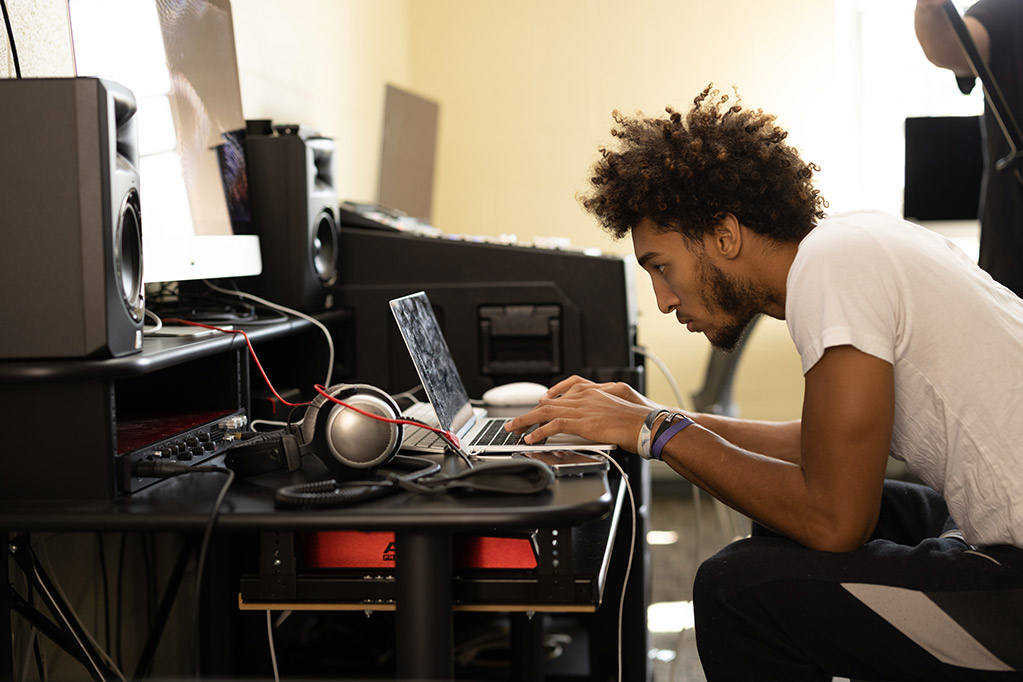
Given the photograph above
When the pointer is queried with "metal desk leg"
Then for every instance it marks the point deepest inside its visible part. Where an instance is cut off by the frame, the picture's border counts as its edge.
(527, 654)
(423, 619)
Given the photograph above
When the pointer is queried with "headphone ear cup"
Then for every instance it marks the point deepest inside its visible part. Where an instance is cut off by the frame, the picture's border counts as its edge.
(344, 438)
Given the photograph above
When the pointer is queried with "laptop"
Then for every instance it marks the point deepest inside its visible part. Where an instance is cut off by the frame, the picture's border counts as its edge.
(449, 407)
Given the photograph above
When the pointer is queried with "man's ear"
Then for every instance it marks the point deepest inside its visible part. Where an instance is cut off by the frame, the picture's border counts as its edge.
(727, 236)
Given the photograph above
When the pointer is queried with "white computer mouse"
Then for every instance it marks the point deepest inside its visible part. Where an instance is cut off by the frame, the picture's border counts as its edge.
(515, 394)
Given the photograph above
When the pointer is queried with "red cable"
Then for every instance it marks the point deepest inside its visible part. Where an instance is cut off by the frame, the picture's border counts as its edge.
(252, 351)
(446, 435)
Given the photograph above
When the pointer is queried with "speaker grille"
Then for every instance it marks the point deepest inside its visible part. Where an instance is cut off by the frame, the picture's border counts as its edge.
(128, 255)
(325, 248)
(294, 206)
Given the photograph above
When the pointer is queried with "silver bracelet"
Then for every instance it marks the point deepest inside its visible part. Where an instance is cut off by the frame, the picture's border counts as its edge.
(643, 443)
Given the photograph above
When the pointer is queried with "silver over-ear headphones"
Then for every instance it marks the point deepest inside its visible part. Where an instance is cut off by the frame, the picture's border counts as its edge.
(344, 438)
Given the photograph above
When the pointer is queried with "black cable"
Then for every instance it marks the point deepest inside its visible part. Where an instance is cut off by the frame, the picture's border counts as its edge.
(329, 493)
(34, 634)
(40, 665)
(119, 609)
(208, 307)
(145, 662)
(463, 455)
(162, 469)
(291, 423)
(154, 585)
(10, 39)
(46, 627)
(148, 570)
(105, 587)
(509, 476)
(65, 617)
(201, 562)
(451, 443)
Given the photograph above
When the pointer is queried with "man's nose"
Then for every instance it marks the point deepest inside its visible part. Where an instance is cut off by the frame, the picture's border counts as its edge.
(667, 301)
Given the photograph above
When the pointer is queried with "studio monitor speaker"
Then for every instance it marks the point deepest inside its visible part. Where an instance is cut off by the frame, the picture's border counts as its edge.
(71, 256)
(294, 208)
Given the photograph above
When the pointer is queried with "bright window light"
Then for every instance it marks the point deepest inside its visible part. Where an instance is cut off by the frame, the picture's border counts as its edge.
(670, 616)
(662, 537)
(885, 78)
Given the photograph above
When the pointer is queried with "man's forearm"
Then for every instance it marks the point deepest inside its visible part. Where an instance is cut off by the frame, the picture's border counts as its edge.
(780, 440)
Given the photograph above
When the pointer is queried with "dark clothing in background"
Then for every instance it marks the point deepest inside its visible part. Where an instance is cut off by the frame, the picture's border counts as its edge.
(1001, 215)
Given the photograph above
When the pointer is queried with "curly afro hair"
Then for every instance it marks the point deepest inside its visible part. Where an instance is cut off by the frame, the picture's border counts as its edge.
(684, 171)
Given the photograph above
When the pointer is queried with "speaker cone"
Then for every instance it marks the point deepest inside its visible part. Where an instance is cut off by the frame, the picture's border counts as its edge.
(128, 254)
(325, 249)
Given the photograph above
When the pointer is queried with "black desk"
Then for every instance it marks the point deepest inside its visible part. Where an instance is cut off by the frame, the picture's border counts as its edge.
(66, 449)
(424, 526)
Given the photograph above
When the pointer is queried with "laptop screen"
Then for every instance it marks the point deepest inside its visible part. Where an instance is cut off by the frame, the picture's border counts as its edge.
(433, 361)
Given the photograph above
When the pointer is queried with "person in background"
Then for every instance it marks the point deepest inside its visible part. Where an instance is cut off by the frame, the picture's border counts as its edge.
(907, 347)
(996, 27)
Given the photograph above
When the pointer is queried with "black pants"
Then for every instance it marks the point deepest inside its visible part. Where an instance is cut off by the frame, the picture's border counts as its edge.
(908, 605)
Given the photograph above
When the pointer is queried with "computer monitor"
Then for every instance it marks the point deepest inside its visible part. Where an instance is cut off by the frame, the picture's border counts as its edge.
(408, 153)
(178, 58)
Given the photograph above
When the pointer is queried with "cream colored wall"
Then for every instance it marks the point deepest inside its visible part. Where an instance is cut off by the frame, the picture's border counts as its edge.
(42, 39)
(325, 63)
(322, 63)
(526, 91)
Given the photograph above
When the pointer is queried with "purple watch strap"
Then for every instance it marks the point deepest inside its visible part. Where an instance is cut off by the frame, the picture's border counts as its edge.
(669, 433)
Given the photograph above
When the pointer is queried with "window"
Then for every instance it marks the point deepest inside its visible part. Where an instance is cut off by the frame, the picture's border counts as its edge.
(884, 78)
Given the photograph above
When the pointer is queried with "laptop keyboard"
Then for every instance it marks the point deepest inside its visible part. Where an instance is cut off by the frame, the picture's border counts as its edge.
(422, 438)
(494, 434)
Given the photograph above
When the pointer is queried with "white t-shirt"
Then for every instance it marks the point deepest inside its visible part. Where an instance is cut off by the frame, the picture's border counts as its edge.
(906, 295)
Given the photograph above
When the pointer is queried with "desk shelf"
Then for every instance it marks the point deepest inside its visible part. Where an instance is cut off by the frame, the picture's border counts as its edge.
(83, 423)
(576, 584)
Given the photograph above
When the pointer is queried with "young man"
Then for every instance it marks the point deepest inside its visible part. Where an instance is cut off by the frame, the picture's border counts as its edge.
(907, 348)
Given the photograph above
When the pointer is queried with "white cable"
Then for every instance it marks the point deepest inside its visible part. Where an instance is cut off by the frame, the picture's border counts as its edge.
(698, 526)
(628, 566)
(157, 323)
(289, 311)
(664, 370)
(410, 394)
(726, 515)
(267, 422)
(285, 615)
(678, 397)
(270, 640)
